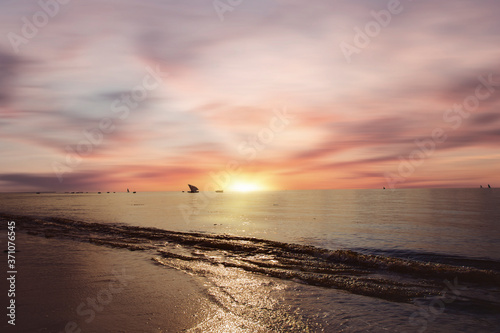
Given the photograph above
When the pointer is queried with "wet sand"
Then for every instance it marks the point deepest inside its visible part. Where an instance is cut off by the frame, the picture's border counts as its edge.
(66, 284)
(69, 286)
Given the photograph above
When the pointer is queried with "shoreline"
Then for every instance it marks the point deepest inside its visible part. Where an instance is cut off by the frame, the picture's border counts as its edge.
(71, 272)
(70, 286)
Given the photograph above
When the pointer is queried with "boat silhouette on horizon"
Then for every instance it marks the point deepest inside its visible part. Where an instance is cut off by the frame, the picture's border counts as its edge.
(193, 189)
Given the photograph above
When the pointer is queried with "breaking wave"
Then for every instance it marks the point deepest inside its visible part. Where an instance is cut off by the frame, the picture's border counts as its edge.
(379, 276)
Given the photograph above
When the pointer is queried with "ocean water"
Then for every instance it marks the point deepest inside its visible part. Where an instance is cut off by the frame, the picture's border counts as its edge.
(425, 260)
(407, 223)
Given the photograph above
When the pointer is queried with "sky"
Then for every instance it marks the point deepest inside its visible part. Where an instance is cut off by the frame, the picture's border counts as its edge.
(266, 94)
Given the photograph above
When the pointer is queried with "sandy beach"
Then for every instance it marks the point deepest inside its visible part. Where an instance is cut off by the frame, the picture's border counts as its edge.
(69, 286)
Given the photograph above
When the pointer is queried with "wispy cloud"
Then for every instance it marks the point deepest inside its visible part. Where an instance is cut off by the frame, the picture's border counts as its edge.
(352, 122)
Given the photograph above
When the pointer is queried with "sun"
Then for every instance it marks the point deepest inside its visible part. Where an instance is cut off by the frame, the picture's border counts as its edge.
(245, 187)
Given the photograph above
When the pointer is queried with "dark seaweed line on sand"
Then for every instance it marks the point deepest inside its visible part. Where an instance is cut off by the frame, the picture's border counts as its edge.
(370, 275)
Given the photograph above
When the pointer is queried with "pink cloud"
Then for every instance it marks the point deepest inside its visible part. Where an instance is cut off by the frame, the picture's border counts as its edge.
(352, 122)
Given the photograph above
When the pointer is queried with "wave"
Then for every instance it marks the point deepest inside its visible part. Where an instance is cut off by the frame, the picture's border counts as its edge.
(454, 260)
(384, 277)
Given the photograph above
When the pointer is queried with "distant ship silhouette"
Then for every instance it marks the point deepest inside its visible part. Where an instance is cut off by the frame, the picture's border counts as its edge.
(193, 189)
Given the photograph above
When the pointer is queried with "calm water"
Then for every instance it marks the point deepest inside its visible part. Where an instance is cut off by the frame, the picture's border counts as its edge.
(446, 280)
(453, 222)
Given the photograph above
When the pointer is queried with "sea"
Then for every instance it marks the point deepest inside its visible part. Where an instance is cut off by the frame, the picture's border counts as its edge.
(403, 260)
